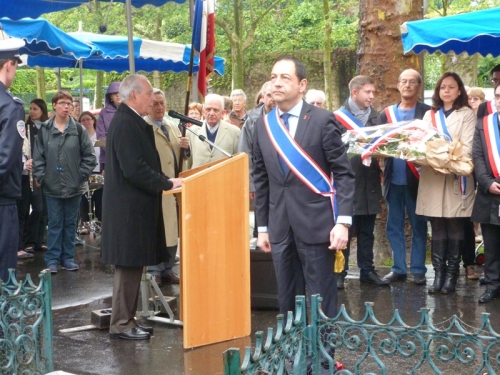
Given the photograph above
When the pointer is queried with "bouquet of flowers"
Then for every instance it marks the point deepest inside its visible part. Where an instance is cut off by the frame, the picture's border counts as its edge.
(404, 140)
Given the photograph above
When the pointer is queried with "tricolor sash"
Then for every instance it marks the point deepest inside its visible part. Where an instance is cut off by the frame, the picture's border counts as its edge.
(491, 106)
(439, 122)
(299, 162)
(350, 122)
(392, 116)
(492, 138)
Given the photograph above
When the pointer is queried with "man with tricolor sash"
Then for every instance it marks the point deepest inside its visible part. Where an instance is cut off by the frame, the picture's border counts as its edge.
(356, 114)
(486, 209)
(304, 188)
(401, 187)
(488, 107)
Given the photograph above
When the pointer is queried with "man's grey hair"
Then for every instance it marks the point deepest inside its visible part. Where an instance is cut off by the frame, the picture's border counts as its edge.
(158, 92)
(238, 92)
(129, 84)
(313, 93)
(216, 97)
(266, 86)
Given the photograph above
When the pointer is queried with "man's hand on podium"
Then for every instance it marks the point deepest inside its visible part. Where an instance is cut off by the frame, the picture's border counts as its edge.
(177, 182)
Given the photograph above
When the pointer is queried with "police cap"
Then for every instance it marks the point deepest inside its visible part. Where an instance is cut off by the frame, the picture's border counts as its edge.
(9, 47)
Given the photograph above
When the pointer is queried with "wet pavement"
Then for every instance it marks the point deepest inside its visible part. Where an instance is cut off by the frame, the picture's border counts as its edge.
(76, 294)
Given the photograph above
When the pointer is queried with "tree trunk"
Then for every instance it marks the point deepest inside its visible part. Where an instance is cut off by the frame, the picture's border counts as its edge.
(464, 65)
(238, 68)
(380, 51)
(99, 95)
(327, 52)
(40, 83)
(380, 56)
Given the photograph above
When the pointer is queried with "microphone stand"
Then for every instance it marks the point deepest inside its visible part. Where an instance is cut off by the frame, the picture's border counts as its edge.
(204, 139)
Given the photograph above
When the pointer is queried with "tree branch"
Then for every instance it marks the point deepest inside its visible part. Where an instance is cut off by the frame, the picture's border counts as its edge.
(222, 23)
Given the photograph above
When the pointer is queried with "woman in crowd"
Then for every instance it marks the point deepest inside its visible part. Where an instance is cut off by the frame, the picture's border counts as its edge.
(486, 155)
(63, 161)
(111, 103)
(36, 223)
(476, 96)
(447, 199)
(195, 110)
(89, 122)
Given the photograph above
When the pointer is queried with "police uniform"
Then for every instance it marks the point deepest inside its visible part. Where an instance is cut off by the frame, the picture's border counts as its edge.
(12, 134)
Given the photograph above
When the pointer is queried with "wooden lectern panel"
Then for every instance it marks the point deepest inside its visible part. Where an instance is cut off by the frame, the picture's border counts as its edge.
(215, 254)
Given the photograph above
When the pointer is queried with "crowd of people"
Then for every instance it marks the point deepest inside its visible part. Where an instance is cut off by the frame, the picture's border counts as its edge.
(311, 199)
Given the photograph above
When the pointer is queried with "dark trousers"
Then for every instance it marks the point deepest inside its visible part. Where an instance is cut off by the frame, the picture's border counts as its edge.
(23, 209)
(469, 253)
(126, 286)
(362, 228)
(299, 265)
(9, 237)
(491, 237)
(36, 227)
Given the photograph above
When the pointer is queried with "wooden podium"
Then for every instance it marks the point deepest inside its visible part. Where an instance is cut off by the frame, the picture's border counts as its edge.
(215, 258)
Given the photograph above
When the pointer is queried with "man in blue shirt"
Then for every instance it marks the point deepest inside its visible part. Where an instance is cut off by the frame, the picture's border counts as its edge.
(401, 186)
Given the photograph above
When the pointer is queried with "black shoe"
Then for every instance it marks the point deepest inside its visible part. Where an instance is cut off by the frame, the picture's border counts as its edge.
(341, 280)
(393, 276)
(482, 280)
(131, 334)
(419, 279)
(488, 296)
(373, 278)
(145, 328)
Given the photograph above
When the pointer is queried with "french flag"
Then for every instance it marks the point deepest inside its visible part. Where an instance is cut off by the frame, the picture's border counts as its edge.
(203, 41)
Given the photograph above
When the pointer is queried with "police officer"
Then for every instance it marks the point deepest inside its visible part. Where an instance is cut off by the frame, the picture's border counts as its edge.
(12, 134)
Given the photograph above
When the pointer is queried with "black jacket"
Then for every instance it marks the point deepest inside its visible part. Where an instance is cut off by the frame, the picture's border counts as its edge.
(11, 144)
(412, 181)
(486, 205)
(368, 190)
(133, 234)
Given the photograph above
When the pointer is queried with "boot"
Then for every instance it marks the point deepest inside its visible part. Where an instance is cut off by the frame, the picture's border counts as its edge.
(438, 250)
(453, 254)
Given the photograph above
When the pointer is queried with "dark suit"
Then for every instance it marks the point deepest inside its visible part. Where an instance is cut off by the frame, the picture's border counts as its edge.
(482, 110)
(298, 220)
(401, 198)
(133, 234)
(367, 196)
(486, 208)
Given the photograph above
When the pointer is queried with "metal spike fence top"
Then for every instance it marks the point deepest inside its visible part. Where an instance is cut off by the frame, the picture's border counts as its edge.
(26, 326)
(368, 346)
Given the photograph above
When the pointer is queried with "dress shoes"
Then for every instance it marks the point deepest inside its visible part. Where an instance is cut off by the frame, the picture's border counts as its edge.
(393, 276)
(373, 278)
(131, 334)
(488, 296)
(171, 278)
(145, 328)
(341, 280)
(419, 279)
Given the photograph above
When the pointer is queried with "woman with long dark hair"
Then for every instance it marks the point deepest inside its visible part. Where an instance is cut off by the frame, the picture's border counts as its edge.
(33, 226)
(447, 199)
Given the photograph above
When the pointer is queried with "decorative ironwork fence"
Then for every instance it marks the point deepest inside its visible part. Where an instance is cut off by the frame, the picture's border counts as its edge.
(368, 346)
(26, 326)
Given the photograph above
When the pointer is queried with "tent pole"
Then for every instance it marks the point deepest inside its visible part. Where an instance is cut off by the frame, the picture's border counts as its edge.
(131, 59)
(80, 65)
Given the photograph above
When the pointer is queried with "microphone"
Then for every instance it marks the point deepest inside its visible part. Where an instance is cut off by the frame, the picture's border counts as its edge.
(183, 118)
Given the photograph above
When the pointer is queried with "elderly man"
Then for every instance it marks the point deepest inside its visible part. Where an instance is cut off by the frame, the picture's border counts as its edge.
(316, 98)
(357, 112)
(221, 133)
(296, 221)
(169, 144)
(401, 187)
(12, 134)
(239, 115)
(133, 231)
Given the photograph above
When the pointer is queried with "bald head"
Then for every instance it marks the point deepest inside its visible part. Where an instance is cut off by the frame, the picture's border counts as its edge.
(410, 85)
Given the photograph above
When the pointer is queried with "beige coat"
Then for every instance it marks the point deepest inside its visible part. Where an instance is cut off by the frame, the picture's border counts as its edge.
(437, 193)
(164, 148)
(227, 138)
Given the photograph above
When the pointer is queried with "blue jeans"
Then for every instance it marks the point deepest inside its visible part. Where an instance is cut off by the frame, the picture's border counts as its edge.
(63, 213)
(399, 199)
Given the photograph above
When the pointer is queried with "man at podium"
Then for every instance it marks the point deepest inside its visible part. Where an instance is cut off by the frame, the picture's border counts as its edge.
(304, 190)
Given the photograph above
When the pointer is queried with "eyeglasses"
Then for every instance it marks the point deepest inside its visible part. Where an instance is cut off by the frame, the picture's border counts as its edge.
(473, 99)
(316, 103)
(411, 83)
(495, 80)
(65, 104)
(238, 100)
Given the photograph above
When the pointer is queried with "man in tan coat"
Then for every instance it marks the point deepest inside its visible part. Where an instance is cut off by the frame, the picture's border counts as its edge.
(169, 145)
(221, 133)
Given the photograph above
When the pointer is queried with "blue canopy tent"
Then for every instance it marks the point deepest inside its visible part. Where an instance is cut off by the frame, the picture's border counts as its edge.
(42, 37)
(112, 55)
(475, 32)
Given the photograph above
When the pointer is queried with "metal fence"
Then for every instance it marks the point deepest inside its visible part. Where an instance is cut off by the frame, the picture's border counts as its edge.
(26, 326)
(368, 346)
